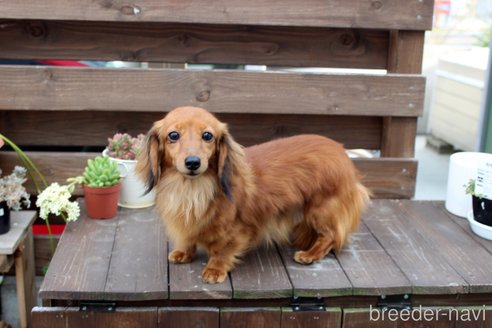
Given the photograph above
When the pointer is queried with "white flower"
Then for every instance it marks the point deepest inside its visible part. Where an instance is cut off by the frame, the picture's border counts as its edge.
(55, 199)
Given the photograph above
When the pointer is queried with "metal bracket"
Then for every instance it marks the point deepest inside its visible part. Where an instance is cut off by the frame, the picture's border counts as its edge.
(97, 306)
(307, 304)
(399, 302)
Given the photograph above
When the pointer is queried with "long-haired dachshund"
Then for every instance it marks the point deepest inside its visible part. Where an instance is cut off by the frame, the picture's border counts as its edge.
(213, 193)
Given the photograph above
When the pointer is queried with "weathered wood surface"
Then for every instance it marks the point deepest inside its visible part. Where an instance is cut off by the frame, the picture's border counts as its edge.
(397, 14)
(179, 43)
(402, 247)
(20, 225)
(221, 91)
(331, 317)
(386, 177)
(63, 128)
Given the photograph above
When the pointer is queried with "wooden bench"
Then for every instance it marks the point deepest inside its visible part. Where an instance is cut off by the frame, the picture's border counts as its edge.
(63, 115)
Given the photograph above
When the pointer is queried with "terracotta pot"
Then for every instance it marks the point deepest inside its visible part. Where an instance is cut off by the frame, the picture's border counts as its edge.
(4, 218)
(101, 202)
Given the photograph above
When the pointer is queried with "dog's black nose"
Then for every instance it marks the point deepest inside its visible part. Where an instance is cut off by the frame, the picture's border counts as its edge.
(192, 162)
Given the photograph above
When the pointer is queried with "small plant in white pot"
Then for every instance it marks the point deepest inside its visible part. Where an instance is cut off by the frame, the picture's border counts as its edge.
(481, 217)
(123, 149)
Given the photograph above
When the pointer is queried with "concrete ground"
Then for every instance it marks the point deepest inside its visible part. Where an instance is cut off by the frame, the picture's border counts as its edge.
(431, 185)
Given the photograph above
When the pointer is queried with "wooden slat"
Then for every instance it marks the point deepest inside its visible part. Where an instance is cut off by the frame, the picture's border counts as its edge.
(323, 279)
(261, 274)
(24, 279)
(64, 128)
(49, 317)
(81, 262)
(121, 317)
(250, 317)
(189, 317)
(60, 88)
(185, 281)
(464, 254)
(331, 317)
(361, 318)
(20, 225)
(179, 43)
(138, 268)
(386, 177)
(398, 138)
(397, 14)
(365, 263)
(413, 252)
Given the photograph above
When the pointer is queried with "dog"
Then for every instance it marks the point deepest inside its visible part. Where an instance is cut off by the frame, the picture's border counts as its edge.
(212, 192)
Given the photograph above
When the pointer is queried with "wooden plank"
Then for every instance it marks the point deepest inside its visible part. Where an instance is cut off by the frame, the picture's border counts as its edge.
(121, 317)
(189, 317)
(261, 274)
(250, 317)
(179, 43)
(138, 267)
(413, 252)
(20, 225)
(24, 279)
(398, 14)
(386, 177)
(404, 57)
(81, 262)
(365, 262)
(474, 317)
(248, 129)
(323, 279)
(464, 254)
(49, 317)
(361, 318)
(331, 317)
(61, 88)
(185, 281)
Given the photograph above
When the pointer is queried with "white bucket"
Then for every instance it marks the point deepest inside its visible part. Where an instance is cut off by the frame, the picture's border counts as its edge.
(462, 167)
(132, 188)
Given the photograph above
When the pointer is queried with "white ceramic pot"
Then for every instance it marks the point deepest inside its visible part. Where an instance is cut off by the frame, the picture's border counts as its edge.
(132, 188)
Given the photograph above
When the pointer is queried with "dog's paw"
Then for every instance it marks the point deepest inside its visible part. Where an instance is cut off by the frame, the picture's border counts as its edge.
(177, 256)
(303, 257)
(213, 276)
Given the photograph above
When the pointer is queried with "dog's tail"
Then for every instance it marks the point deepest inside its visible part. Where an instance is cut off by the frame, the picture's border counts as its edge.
(342, 213)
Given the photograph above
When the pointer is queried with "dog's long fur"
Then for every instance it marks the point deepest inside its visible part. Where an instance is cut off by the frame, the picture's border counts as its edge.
(302, 189)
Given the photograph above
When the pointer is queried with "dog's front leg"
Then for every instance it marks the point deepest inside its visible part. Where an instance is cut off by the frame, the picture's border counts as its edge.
(222, 257)
(182, 254)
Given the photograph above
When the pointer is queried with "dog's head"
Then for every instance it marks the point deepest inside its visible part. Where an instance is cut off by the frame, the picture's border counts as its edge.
(190, 141)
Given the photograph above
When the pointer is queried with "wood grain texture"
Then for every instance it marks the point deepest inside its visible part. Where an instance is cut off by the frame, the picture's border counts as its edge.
(81, 262)
(64, 128)
(472, 261)
(331, 317)
(323, 279)
(398, 136)
(180, 43)
(360, 318)
(250, 317)
(20, 225)
(386, 177)
(261, 274)
(121, 317)
(49, 317)
(397, 14)
(220, 91)
(185, 281)
(365, 262)
(196, 317)
(24, 279)
(138, 268)
(414, 253)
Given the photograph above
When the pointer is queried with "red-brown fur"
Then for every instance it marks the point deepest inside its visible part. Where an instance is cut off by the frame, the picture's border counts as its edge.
(304, 189)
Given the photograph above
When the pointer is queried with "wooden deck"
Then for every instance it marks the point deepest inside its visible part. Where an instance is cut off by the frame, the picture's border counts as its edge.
(413, 249)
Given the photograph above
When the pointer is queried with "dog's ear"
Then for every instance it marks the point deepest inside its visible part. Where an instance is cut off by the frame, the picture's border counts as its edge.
(230, 157)
(149, 161)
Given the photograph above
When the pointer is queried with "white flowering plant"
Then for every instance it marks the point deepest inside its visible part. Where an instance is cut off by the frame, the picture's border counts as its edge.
(12, 190)
(55, 199)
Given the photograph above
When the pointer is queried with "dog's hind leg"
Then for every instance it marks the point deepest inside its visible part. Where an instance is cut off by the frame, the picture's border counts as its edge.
(329, 222)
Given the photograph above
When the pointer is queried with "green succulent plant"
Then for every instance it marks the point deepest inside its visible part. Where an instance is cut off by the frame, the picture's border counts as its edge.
(100, 172)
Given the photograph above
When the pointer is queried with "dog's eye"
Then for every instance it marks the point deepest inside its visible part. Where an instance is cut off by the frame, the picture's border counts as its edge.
(173, 136)
(207, 136)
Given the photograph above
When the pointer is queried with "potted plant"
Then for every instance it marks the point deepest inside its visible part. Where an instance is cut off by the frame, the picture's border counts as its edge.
(101, 184)
(482, 207)
(123, 149)
(12, 195)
